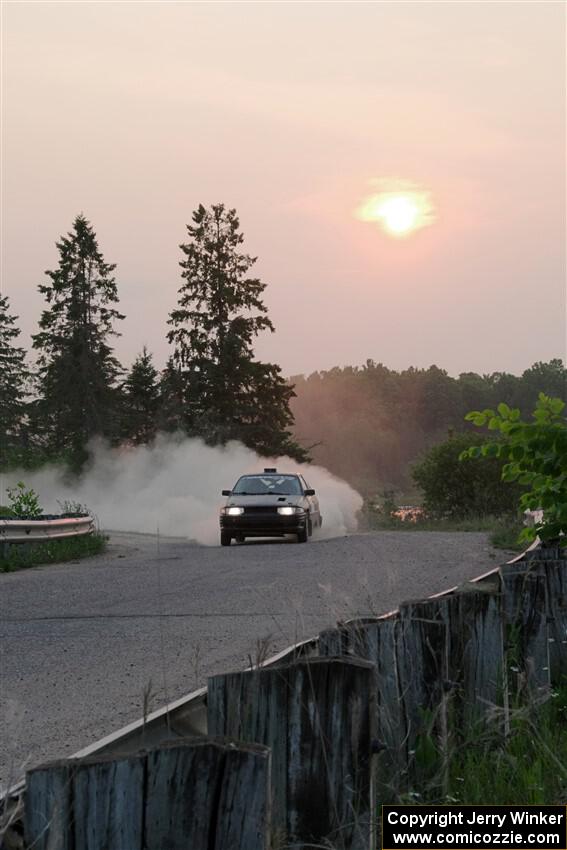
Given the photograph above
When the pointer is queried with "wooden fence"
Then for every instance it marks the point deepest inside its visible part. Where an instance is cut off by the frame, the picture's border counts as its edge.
(303, 752)
(450, 666)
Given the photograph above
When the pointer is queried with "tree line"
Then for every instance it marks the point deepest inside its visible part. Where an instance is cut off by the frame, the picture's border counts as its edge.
(212, 386)
(367, 424)
(371, 425)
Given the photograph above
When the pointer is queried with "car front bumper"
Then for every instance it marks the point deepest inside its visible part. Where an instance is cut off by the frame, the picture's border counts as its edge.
(263, 525)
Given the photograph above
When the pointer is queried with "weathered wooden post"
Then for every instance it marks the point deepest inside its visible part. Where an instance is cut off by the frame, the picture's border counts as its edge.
(211, 794)
(550, 562)
(334, 643)
(409, 651)
(556, 608)
(453, 649)
(440, 671)
(198, 793)
(317, 716)
(107, 803)
(525, 608)
(48, 813)
(422, 661)
(476, 660)
(376, 641)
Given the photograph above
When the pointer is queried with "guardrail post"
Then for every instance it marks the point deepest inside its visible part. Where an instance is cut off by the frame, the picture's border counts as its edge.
(198, 793)
(556, 605)
(439, 668)
(525, 606)
(476, 659)
(318, 718)
(376, 642)
(48, 807)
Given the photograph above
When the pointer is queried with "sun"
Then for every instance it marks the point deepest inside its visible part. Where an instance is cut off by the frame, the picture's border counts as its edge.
(398, 214)
(399, 210)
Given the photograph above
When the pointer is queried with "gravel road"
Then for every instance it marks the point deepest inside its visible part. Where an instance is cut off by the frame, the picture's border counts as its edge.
(81, 641)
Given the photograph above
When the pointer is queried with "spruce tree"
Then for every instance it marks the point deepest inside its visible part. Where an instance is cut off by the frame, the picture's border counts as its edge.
(14, 377)
(172, 400)
(77, 369)
(228, 395)
(141, 400)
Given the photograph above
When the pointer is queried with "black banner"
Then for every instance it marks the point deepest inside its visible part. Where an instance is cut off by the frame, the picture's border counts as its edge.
(474, 827)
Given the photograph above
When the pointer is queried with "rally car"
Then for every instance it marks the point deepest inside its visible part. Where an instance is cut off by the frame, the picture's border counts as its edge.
(269, 504)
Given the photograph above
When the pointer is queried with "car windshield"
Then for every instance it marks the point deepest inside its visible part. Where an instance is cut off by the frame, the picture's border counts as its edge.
(276, 485)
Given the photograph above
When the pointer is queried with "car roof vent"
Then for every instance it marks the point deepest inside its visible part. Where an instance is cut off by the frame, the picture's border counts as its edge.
(270, 469)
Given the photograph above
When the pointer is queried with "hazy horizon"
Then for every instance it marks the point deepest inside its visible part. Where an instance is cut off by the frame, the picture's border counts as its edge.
(296, 115)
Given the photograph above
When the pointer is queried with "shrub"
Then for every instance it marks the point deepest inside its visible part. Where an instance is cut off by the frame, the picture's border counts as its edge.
(533, 454)
(24, 502)
(454, 490)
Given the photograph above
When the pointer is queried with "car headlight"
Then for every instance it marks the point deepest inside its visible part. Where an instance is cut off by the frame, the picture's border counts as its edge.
(289, 510)
(233, 511)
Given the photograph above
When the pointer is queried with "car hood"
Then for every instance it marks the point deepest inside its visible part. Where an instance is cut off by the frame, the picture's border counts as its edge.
(264, 499)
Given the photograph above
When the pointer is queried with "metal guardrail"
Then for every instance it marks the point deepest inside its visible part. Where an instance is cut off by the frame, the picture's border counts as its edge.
(41, 530)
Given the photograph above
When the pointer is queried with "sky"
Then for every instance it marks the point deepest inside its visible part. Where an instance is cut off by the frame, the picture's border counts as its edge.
(296, 114)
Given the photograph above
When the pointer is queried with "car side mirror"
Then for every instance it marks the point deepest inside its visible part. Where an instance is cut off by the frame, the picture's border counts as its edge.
(226, 492)
(309, 492)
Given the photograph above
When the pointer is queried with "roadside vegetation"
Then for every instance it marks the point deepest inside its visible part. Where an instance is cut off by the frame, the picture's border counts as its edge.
(469, 483)
(22, 556)
(387, 514)
(24, 504)
(503, 531)
(370, 424)
(527, 765)
(525, 469)
(534, 455)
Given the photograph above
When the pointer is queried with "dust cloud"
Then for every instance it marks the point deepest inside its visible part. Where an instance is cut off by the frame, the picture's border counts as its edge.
(174, 486)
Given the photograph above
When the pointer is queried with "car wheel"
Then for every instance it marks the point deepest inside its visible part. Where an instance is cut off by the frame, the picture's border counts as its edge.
(240, 538)
(225, 538)
(302, 536)
(309, 527)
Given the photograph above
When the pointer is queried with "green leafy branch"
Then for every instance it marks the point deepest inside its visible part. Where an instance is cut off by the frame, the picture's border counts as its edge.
(536, 457)
(23, 502)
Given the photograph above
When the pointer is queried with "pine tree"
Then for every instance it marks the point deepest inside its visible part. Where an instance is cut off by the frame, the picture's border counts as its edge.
(228, 394)
(141, 400)
(78, 371)
(172, 397)
(14, 377)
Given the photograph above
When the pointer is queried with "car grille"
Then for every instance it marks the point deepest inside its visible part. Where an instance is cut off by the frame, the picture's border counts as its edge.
(261, 509)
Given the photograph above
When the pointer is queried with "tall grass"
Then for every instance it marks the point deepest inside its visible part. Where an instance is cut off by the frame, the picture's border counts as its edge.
(526, 766)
